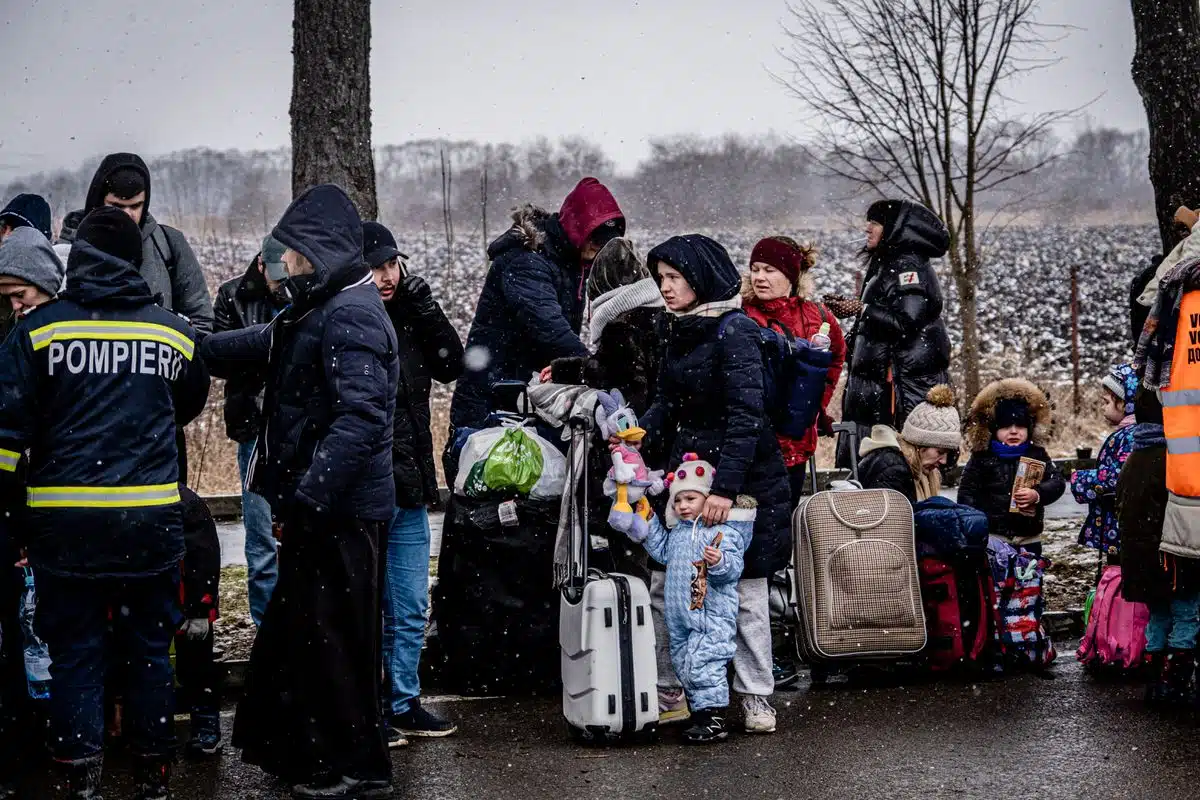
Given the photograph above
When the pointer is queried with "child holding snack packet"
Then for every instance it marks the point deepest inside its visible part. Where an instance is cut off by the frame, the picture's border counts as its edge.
(1010, 476)
(703, 567)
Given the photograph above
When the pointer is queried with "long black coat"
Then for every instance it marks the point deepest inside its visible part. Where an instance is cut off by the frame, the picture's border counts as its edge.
(242, 302)
(1141, 507)
(429, 350)
(710, 401)
(901, 327)
(529, 313)
(987, 483)
(332, 373)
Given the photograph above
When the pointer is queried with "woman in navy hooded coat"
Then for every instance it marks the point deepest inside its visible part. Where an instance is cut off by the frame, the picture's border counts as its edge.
(710, 402)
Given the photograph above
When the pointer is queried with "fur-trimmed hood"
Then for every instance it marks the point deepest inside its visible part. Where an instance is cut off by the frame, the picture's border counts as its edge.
(537, 230)
(983, 412)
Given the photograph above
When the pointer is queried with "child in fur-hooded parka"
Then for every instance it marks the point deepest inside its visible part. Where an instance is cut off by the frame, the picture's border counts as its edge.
(1010, 420)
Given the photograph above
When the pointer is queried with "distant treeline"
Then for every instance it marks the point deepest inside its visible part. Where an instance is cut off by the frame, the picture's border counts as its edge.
(686, 181)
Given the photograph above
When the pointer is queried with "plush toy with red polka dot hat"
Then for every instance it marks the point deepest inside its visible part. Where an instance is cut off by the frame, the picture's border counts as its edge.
(693, 475)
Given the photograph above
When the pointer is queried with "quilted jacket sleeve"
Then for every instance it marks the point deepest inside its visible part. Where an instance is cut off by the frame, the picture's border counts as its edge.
(357, 369)
(739, 364)
(733, 547)
(529, 289)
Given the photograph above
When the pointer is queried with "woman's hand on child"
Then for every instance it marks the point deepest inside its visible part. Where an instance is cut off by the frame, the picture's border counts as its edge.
(1026, 498)
(716, 510)
(712, 556)
(546, 375)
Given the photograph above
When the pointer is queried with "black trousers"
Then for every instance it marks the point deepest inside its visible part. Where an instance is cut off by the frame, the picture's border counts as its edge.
(198, 675)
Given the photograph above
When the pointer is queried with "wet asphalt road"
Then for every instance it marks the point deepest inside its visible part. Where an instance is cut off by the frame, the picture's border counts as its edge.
(1020, 737)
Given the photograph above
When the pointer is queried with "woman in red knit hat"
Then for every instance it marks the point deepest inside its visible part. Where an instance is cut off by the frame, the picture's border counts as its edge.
(778, 270)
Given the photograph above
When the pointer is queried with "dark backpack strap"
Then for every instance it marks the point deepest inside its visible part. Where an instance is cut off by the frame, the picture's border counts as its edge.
(724, 323)
(169, 258)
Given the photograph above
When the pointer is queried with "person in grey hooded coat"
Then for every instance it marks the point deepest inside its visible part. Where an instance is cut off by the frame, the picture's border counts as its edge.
(168, 264)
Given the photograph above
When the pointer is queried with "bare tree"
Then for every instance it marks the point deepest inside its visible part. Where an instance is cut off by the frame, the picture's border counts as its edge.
(1164, 69)
(331, 99)
(909, 98)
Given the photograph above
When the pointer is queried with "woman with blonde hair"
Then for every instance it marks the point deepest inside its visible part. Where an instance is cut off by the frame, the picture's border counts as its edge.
(909, 461)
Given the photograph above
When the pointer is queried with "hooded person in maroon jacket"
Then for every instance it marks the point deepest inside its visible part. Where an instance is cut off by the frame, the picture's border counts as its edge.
(531, 307)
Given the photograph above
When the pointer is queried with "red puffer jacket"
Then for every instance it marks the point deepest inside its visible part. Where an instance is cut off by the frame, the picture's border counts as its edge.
(803, 319)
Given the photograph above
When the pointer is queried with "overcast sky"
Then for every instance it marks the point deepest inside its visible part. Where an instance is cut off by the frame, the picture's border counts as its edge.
(86, 78)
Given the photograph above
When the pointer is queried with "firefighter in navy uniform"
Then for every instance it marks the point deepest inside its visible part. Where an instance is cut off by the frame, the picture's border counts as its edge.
(93, 385)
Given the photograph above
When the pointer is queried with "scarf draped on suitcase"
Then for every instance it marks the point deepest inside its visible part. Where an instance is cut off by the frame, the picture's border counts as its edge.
(557, 404)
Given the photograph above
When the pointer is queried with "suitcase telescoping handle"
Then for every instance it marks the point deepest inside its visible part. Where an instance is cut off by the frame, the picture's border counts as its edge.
(850, 430)
(577, 523)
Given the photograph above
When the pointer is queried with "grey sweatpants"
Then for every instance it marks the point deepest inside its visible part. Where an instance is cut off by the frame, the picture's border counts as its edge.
(752, 660)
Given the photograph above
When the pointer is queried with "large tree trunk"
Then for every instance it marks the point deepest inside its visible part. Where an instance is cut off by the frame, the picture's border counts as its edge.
(331, 99)
(1166, 70)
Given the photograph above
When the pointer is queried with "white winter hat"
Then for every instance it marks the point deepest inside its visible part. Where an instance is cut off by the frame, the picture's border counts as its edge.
(693, 475)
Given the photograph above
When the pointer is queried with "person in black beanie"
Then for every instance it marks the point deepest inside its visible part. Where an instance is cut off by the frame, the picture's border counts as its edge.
(93, 386)
(25, 210)
(429, 349)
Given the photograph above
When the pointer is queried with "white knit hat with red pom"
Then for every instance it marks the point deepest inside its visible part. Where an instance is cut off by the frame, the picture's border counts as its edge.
(693, 475)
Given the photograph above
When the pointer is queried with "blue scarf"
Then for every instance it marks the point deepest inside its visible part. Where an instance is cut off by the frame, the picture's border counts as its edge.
(1009, 451)
(1147, 435)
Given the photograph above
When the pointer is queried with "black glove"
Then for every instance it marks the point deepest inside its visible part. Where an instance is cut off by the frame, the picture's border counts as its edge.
(824, 424)
(418, 295)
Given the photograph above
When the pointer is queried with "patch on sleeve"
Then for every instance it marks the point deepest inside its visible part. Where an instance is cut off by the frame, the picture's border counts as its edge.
(909, 279)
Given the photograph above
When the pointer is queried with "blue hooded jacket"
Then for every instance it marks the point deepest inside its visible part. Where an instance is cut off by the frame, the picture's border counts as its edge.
(93, 384)
(331, 372)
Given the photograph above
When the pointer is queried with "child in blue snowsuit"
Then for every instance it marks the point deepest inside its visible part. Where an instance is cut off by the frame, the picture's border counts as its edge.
(1098, 487)
(704, 564)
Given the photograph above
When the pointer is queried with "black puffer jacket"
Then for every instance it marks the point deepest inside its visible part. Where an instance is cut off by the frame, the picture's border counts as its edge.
(987, 483)
(242, 302)
(710, 401)
(332, 373)
(429, 350)
(900, 328)
(886, 468)
(529, 312)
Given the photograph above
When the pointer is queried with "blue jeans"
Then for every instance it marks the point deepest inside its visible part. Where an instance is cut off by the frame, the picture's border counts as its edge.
(405, 603)
(73, 619)
(1174, 624)
(262, 562)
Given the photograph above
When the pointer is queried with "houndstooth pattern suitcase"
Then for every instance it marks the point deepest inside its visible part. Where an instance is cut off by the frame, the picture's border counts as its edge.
(857, 588)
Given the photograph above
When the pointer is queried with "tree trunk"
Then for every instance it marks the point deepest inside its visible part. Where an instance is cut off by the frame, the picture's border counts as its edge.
(331, 99)
(968, 313)
(1165, 70)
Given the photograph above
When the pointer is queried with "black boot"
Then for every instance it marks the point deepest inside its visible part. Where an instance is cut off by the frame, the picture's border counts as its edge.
(1180, 666)
(80, 780)
(708, 725)
(153, 778)
(206, 735)
(1156, 680)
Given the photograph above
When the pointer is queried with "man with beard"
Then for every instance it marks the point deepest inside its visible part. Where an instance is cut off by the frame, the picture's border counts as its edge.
(310, 713)
(429, 349)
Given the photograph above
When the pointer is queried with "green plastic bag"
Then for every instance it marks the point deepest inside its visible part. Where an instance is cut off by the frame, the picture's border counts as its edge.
(1087, 607)
(515, 462)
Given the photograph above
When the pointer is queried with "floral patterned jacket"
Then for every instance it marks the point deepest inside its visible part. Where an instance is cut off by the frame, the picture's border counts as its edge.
(1097, 487)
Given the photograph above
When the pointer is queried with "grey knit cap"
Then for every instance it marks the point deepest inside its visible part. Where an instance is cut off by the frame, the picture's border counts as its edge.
(935, 422)
(27, 256)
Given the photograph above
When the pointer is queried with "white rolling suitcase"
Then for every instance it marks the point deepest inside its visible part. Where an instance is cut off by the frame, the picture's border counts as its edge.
(609, 669)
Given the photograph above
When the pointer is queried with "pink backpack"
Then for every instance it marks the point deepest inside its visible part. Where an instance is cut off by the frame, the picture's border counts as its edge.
(1116, 629)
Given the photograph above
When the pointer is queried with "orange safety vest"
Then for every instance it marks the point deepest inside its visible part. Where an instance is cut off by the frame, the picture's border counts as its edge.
(1181, 403)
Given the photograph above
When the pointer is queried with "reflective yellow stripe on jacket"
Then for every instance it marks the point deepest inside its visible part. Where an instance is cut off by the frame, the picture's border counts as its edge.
(162, 494)
(1181, 403)
(109, 329)
(8, 460)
